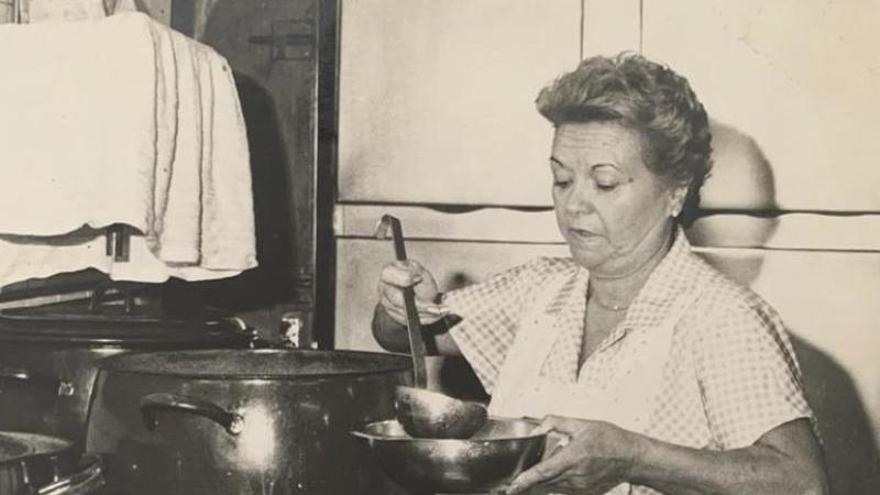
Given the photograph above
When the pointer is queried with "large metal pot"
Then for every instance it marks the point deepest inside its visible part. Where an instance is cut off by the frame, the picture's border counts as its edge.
(48, 364)
(241, 422)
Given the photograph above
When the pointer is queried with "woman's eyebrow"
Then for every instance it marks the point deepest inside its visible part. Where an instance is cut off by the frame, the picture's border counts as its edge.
(557, 161)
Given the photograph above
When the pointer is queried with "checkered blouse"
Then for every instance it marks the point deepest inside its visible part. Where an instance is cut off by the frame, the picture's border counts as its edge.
(731, 375)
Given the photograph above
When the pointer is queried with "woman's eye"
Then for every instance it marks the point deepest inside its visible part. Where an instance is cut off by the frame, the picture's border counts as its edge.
(606, 182)
(562, 184)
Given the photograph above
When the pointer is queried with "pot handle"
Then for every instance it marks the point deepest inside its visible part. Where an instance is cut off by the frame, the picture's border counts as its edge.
(24, 375)
(153, 403)
(87, 481)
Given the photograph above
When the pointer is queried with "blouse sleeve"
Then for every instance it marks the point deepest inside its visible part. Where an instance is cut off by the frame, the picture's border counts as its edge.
(490, 312)
(748, 374)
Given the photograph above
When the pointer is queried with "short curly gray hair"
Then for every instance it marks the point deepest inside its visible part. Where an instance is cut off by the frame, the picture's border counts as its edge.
(649, 98)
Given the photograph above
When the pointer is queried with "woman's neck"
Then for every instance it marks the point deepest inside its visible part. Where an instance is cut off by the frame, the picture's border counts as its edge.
(619, 290)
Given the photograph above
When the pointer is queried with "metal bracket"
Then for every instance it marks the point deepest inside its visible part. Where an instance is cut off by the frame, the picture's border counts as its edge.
(118, 242)
(289, 39)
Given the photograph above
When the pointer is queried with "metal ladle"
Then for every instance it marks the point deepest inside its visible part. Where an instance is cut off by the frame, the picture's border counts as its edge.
(424, 413)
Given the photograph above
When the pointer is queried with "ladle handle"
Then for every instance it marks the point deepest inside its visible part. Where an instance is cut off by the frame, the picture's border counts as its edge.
(397, 237)
(413, 327)
(416, 342)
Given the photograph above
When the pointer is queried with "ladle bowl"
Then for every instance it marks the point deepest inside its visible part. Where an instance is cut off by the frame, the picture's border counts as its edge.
(427, 414)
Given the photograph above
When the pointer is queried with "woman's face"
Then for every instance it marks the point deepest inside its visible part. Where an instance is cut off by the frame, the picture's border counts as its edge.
(613, 212)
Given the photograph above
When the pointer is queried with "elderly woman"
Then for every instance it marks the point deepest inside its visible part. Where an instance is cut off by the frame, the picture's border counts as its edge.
(667, 376)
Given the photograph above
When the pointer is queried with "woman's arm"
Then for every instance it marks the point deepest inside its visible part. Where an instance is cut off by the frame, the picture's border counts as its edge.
(392, 336)
(786, 460)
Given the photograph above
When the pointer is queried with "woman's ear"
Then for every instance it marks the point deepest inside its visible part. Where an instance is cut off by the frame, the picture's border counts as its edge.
(677, 197)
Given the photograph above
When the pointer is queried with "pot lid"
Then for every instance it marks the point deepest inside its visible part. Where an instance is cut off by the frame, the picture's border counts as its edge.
(77, 324)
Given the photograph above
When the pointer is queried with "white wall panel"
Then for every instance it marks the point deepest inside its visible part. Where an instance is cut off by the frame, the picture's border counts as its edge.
(437, 98)
(794, 79)
(611, 26)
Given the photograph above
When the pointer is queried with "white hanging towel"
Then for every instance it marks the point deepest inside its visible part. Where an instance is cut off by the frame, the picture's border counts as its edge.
(149, 133)
(77, 130)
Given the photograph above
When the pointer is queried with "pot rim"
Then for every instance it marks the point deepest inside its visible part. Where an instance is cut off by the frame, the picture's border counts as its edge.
(145, 345)
(51, 329)
(117, 364)
(366, 433)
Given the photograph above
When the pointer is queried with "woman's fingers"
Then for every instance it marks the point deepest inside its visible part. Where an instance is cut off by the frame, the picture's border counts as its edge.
(395, 313)
(571, 426)
(543, 472)
(392, 297)
(392, 301)
(402, 274)
(399, 275)
(399, 315)
(559, 432)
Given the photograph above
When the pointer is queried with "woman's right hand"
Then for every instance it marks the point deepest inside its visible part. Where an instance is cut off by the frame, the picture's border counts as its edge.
(398, 275)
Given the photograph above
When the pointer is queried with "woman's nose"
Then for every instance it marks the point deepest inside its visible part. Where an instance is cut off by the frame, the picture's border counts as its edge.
(580, 198)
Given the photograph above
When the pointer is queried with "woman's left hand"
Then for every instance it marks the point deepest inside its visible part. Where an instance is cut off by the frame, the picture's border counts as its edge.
(598, 457)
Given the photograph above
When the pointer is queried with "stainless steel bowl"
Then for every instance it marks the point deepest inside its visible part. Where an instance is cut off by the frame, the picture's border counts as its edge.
(487, 461)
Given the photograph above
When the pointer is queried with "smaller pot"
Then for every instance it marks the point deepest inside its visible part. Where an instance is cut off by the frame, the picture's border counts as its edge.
(32, 464)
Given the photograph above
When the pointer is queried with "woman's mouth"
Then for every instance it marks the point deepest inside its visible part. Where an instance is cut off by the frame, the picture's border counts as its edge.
(582, 234)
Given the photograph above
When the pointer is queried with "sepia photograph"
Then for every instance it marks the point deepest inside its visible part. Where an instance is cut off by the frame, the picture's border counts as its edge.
(427, 247)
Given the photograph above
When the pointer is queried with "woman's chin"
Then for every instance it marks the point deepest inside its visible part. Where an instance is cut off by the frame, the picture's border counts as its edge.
(588, 260)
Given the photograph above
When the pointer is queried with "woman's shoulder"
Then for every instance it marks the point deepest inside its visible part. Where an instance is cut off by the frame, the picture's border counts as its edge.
(722, 290)
(725, 305)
